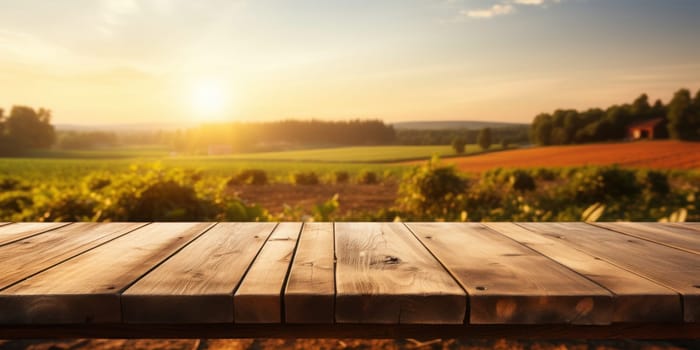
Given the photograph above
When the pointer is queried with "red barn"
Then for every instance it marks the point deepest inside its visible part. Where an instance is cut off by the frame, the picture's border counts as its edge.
(647, 129)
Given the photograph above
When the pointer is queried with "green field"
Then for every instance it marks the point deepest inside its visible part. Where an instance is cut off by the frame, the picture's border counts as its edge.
(373, 154)
(74, 164)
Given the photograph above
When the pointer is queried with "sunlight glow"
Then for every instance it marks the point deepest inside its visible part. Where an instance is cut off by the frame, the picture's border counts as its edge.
(210, 100)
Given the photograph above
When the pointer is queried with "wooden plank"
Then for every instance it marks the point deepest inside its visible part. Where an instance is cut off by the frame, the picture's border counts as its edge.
(309, 296)
(259, 297)
(21, 230)
(196, 285)
(384, 275)
(31, 255)
(623, 331)
(86, 288)
(510, 283)
(693, 225)
(636, 299)
(670, 267)
(677, 237)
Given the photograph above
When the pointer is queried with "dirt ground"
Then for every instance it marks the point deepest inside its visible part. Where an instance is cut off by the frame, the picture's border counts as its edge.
(353, 198)
(282, 344)
(640, 154)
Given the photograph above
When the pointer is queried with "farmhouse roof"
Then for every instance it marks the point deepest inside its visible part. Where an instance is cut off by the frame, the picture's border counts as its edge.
(649, 123)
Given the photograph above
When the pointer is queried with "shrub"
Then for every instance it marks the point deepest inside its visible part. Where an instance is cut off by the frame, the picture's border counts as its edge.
(12, 184)
(459, 144)
(249, 177)
(601, 184)
(305, 178)
(166, 201)
(15, 201)
(505, 143)
(368, 178)
(484, 138)
(657, 182)
(431, 190)
(521, 180)
(341, 177)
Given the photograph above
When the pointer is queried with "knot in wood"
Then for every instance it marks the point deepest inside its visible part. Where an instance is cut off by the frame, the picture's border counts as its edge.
(391, 260)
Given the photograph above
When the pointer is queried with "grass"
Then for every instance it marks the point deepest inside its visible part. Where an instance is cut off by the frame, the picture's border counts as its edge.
(72, 165)
(75, 168)
(369, 154)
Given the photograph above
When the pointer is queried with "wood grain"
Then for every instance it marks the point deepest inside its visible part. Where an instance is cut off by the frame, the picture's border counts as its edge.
(510, 283)
(693, 225)
(86, 289)
(636, 299)
(14, 232)
(309, 296)
(29, 256)
(196, 285)
(384, 275)
(677, 237)
(259, 297)
(625, 331)
(670, 267)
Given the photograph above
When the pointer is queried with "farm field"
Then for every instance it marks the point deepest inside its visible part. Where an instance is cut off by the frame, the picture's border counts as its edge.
(58, 164)
(373, 154)
(643, 154)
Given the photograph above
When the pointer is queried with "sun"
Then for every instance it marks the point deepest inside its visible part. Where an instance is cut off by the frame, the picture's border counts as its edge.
(210, 99)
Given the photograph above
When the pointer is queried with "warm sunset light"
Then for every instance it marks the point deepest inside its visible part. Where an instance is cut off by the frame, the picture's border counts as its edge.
(209, 100)
(404, 174)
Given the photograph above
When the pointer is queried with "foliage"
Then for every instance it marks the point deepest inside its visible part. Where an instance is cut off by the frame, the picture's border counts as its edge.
(325, 210)
(249, 177)
(505, 143)
(86, 140)
(569, 126)
(283, 134)
(458, 144)
(684, 116)
(431, 191)
(484, 138)
(515, 134)
(368, 178)
(341, 177)
(305, 178)
(24, 129)
(571, 194)
(66, 191)
(145, 193)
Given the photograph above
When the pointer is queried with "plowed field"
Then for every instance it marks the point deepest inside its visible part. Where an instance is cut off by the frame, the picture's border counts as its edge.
(643, 154)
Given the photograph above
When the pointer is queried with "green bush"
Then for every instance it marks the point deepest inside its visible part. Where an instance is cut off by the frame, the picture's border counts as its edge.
(249, 177)
(71, 206)
(15, 201)
(521, 180)
(431, 191)
(368, 178)
(341, 177)
(12, 184)
(657, 182)
(305, 178)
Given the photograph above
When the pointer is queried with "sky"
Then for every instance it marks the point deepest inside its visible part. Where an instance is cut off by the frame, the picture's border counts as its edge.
(182, 61)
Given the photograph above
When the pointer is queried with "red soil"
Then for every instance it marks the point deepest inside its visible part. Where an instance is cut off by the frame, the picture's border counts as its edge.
(642, 154)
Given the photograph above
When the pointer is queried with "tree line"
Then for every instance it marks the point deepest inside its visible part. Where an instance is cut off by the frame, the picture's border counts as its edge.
(25, 128)
(287, 133)
(509, 134)
(681, 120)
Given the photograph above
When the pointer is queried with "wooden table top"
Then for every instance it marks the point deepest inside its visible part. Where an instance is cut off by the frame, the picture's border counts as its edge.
(373, 279)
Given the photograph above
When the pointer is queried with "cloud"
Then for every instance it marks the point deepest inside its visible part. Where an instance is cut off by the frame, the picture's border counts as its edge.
(504, 8)
(529, 2)
(493, 11)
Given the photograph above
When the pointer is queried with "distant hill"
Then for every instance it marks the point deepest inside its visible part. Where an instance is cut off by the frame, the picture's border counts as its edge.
(452, 124)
